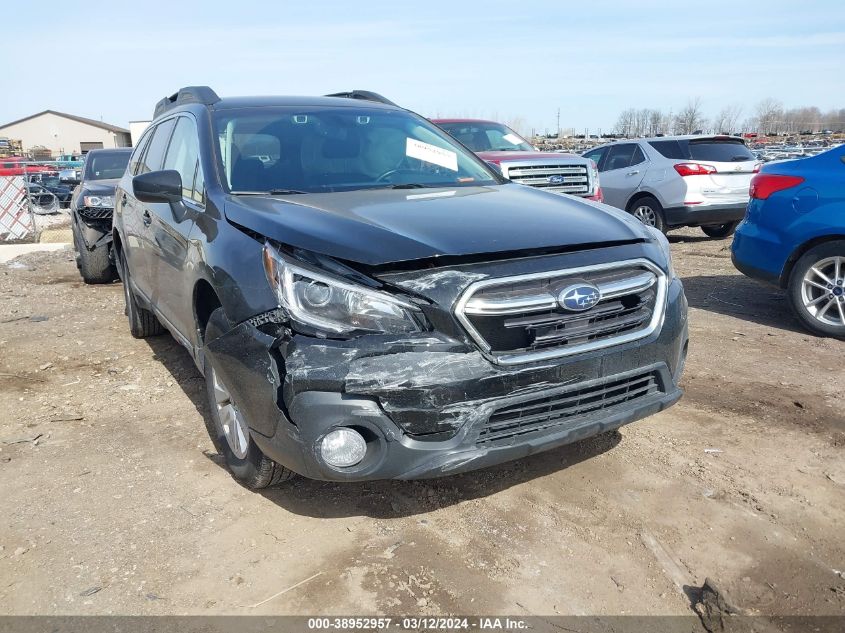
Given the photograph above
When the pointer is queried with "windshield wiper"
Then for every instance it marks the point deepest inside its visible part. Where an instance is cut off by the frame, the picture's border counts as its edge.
(272, 192)
(409, 185)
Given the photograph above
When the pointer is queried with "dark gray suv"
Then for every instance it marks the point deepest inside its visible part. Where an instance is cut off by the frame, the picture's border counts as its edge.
(368, 300)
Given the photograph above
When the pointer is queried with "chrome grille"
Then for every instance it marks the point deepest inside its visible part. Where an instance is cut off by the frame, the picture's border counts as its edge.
(519, 319)
(566, 407)
(560, 177)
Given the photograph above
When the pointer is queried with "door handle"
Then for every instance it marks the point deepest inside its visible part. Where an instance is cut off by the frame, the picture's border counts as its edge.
(147, 218)
(633, 173)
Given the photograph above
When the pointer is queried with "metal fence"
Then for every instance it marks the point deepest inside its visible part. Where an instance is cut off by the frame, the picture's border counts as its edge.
(35, 203)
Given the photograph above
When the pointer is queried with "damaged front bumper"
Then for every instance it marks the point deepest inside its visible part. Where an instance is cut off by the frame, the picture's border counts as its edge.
(430, 405)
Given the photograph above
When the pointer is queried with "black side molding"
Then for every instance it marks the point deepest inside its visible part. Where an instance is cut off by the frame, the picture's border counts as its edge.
(189, 94)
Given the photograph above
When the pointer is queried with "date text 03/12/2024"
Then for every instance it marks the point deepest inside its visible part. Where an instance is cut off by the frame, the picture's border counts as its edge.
(418, 623)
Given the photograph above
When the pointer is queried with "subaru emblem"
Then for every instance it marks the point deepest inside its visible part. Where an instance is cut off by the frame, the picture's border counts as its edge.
(579, 297)
(557, 179)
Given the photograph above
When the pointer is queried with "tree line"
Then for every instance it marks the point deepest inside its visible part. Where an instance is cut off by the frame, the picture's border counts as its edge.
(768, 117)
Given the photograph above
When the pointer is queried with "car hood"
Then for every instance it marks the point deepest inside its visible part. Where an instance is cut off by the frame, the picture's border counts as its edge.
(100, 187)
(378, 227)
(501, 157)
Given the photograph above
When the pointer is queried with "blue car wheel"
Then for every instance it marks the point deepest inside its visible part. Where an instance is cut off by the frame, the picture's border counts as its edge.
(817, 289)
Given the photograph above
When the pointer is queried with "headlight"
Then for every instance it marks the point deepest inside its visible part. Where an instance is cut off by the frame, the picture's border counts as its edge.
(664, 246)
(104, 202)
(331, 305)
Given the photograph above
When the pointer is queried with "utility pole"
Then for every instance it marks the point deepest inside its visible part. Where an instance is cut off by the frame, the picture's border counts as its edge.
(558, 123)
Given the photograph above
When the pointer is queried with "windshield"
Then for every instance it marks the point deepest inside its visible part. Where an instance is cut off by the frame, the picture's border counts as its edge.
(323, 149)
(49, 181)
(486, 136)
(105, 165)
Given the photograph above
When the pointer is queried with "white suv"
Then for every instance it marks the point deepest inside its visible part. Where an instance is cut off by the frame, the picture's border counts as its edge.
(674, 181)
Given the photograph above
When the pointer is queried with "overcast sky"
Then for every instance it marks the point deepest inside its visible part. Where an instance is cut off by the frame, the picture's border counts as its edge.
(113, 60)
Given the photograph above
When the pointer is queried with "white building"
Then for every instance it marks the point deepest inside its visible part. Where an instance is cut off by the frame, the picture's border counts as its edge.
(136, 128)
(65, 133)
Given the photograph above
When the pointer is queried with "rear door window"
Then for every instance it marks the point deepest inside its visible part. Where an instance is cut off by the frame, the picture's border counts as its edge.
(639, 157)
(619, 156)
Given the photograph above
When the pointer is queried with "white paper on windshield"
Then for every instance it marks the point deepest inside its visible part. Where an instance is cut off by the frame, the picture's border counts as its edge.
(432, 154)
(512, 138)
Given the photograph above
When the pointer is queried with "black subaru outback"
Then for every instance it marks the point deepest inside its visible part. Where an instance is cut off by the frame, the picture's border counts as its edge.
(368, 300)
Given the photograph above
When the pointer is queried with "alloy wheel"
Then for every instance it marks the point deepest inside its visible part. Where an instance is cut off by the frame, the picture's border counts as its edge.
(646, 215)
(823, 291)
(231, 419)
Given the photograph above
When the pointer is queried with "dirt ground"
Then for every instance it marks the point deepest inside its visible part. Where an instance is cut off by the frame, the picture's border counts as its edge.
(114, 502)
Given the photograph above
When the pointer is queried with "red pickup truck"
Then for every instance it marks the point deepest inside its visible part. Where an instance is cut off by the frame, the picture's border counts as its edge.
(14, 166)
(521, 162)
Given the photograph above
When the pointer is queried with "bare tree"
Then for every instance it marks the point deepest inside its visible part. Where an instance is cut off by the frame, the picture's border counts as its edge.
(655, 123)
(834, 120)
(732, 114)
(769, 117)
(690, 118)
(769, 113)
(625, 123)
(727, 120)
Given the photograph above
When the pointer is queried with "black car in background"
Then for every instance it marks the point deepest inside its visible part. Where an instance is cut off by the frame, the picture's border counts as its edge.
(367, 299)
(92, 206)
(52, 182)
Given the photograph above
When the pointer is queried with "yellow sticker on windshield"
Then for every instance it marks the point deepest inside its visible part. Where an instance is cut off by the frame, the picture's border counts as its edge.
(432, 154)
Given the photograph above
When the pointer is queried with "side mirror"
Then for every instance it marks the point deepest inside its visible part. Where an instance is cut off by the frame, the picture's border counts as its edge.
(158, 186)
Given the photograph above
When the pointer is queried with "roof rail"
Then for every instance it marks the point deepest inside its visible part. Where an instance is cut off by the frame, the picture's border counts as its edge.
(189, 94)
(364, 95)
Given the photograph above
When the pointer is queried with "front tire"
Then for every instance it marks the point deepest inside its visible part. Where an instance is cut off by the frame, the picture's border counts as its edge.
(228, 427)
(95, 266)
(650, 212)
(720, 231)
(816, 289)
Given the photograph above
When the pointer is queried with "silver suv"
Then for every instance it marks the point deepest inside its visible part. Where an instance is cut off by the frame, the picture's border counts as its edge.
(675, 181)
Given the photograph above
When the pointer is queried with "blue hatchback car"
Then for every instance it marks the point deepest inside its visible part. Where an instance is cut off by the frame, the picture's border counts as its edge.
(793, 235)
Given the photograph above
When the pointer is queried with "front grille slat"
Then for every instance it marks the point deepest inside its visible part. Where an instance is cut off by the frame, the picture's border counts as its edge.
(549, 412)
(518, 318)
(574, 179)
(95, 213)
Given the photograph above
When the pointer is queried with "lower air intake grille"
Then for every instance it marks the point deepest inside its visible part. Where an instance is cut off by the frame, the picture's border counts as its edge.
(547, 413)
(95, 213)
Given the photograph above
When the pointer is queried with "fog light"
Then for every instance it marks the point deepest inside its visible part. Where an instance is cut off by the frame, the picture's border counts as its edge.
(343, 447)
